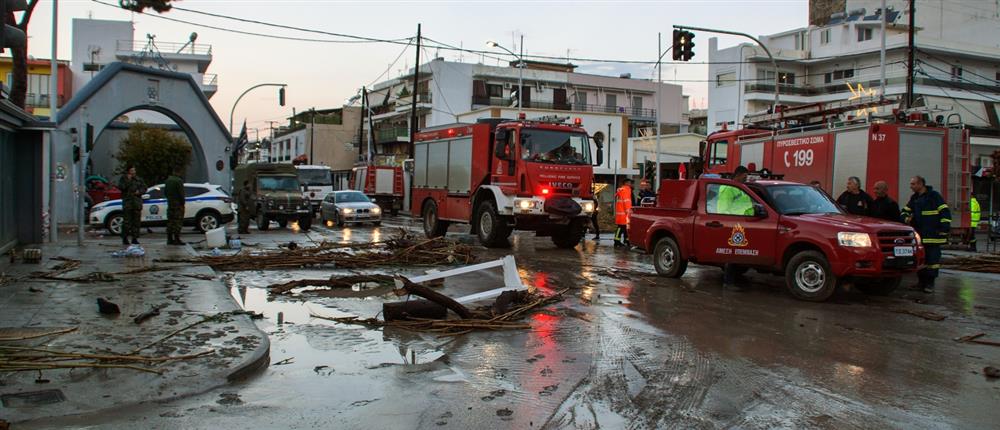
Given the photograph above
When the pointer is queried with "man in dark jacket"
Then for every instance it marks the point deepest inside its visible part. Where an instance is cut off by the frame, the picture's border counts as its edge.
(132, 190)
(854, 200)
(929, 215)
(173, 190)
(883, 206)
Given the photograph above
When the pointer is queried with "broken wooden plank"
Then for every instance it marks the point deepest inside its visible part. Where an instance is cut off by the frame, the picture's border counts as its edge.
(436, 297)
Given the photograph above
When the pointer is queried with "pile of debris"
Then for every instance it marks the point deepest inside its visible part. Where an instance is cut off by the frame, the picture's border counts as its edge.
(404, 249)
(985, 263)
(21, 359)
(430, 315)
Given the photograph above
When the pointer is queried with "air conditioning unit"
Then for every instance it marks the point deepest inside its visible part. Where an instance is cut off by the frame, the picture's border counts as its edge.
(506, 85)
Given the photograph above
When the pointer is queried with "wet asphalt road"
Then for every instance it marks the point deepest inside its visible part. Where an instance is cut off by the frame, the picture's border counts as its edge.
(624, 350)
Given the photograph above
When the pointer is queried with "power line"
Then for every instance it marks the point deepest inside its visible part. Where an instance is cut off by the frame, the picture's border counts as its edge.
(958, 65)
(231, 30)
(923, 72)
(959, 77)
(387, 69)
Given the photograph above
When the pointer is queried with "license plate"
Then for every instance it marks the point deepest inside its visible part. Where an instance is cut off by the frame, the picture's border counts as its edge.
(903, 251)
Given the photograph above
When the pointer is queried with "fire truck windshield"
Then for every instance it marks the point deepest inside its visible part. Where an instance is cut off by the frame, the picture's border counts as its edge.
(315, 177)
(557, 147)
(799, 200)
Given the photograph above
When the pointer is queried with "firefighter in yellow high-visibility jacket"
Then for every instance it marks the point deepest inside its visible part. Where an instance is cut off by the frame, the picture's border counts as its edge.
(974, 215)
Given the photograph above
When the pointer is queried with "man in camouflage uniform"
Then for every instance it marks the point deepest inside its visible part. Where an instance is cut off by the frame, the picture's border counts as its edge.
(244, 202)
(173, 190)
(132, 189)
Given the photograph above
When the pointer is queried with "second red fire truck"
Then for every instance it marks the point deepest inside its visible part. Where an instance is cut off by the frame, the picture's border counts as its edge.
(830, 142)
(500, 175)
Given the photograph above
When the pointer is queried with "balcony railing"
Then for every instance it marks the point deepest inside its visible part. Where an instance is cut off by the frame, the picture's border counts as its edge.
(210, 80)
(580, 107)
(166, 47)
(40, 100)
(391, 133)
(946, 82)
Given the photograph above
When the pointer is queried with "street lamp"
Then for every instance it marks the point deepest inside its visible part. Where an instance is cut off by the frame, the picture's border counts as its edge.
(520, 68)
(281, 97)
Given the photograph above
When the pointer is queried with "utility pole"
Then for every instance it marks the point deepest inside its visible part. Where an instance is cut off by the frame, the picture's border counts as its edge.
(312, 134)
(659, 83)
(882, 54)
(53, 93)
(413, 109)
(909, 55)
(361, 125)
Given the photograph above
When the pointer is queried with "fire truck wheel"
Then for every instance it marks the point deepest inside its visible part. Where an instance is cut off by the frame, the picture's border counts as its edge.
(493, 231)
(433, 227)
(878, 286)
(809, 278)
(570, 236)
(262, 222)
(667, 258)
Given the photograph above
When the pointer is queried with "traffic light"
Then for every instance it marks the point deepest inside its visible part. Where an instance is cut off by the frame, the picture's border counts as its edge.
(88, 138)
(281, 96)
(676, 49)
(687, 51)
(11, 36)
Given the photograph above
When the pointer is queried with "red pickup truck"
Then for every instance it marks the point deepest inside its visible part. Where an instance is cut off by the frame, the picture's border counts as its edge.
(778, 227)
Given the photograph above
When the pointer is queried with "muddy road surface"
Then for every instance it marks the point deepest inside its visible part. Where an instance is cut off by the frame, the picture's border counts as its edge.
(625, 349)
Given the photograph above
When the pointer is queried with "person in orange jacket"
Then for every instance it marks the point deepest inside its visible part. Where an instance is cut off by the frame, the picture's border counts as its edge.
(623, 207)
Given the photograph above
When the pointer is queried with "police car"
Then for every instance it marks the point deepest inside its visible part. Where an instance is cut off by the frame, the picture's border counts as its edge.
(206, 206)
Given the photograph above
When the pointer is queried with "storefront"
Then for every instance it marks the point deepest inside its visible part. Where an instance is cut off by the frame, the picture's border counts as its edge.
(21, 177)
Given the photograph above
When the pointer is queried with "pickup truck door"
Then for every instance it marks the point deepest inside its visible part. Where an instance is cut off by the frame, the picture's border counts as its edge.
(733, 235)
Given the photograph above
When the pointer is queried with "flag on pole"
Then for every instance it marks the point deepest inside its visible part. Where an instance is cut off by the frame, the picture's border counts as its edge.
(243, 139)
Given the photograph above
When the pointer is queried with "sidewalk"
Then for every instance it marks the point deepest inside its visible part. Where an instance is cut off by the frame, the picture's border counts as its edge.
(186, 294)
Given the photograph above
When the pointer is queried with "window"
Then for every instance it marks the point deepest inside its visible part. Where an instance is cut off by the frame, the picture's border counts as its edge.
(352, 197)
(719, 152)
(581, 97)
(155, 193)
(194, 191)
(786, 78)
(728, 200)
(767, 77)
(838, 75)
(864, 34)
(799, 41)
(636, 102)
(725, 79)
(956, 73)
(494, 90)
(611, 101)
(824, 37)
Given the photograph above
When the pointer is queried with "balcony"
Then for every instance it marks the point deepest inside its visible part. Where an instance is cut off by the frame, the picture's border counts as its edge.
(209, 84)
(138, 52)
(406, 102)
(392, 134)
(943, 80)
(578, 107)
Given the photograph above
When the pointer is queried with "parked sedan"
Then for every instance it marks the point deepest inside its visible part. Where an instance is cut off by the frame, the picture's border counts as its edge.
(343, 207)
(206, 207)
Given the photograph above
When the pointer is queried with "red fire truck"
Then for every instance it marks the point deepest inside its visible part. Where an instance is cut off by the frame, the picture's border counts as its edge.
(383, 184)
(815, 143)
(500, 175)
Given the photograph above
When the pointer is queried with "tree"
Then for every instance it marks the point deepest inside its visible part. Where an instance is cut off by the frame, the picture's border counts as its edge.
(19, 58)
(153, 151)
(140, 6)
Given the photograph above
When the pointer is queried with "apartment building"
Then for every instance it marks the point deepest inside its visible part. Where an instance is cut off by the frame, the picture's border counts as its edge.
(97, 43)
(448, 91)
(326, 137)
(36, 101)
(956, 71)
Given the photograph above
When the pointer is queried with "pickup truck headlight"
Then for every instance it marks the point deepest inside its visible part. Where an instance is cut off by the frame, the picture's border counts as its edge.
(347, 210)
(855, 240)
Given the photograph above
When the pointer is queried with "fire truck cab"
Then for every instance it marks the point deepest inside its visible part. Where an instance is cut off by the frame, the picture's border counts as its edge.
(500, 175)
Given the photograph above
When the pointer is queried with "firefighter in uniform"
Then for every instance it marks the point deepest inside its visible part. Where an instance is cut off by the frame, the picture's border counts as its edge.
(173, 190)
(733, 201)
(975, 213)
(928, 213)
(132, 189)
(623, 204)
(244, 203)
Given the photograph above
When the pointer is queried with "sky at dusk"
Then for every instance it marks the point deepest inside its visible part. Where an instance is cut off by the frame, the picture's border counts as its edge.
(325, 75)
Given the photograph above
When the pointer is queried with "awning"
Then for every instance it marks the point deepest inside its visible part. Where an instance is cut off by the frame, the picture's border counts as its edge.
(973, 112)
(984, 141)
